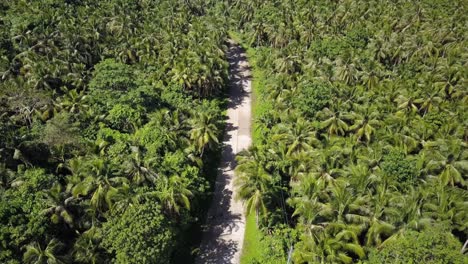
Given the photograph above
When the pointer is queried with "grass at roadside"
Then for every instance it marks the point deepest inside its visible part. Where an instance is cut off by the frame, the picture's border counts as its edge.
(252, 248)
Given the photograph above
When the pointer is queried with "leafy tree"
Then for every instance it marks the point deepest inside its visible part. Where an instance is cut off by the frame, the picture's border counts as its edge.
(125, 117)
(398, 168)
(111, 75)
(429, 246)
(26, 204)
(141, 234)
(312, 98)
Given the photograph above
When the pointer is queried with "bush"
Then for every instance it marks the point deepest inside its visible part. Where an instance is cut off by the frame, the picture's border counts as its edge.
(140, 235)
(312, 98)
(112, 75)
(125, 117)
(433, 246)
(399, 169)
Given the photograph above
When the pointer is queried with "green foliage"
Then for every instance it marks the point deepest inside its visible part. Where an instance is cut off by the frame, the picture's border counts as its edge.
(112, 142)
(276, 246)
(141, 234)
(102, 100)
(252, 248)
(112, 75)
(358, 108)
(25, 204)
(124, 117)
(103, 106)
(434, 245)
(311, 98)
(358, 37)
(396, 167)
(330, 48)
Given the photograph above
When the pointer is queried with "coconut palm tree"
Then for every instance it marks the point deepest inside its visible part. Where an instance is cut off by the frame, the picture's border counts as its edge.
(333, 123)
(446, 204)
(364, 123)
(139, 170)
(36, 254)
(73, 101)
(86, 248)
(337, 243)
(253, 182)
(59, 205)
(174, 194)
(378, 227)
(204, 132)
(448, 160)
(100, 186)
(298, 137)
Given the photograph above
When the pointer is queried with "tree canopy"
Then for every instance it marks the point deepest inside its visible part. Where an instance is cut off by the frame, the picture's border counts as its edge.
(111, 116)
(110, 119)
(360, 126)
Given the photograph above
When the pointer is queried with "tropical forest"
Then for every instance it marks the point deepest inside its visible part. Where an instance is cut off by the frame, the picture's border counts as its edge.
(234, 131)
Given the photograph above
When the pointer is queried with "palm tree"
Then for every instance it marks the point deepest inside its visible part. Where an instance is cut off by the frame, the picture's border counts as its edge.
(253, 182)
(337, 243)
(102, 188)
(35, 254)
(346, 70)
(204, 132)
(306, 200)
(360, 177)
(409, 212)
(334, 124)
(287, 64)
(371, 77)
(59, 205)
(258, 34)
(408, 105)
(73, 101)
(446, 204)
(174, 194)
(311, 212)
(431, 101)
(139, 170)
(298, 137)
(378, 228)
(448, 160)
(86, 248)
(344, 202)
(364, 124)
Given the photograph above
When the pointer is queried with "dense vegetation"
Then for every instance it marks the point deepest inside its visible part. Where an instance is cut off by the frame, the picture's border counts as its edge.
(110, 113)
(361, 133)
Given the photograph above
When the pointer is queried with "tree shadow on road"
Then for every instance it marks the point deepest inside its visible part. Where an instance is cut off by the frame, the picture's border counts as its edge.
(239, 75)
(221, 221)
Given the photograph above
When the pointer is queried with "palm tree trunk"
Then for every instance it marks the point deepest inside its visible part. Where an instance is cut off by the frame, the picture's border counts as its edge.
(256, 216)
